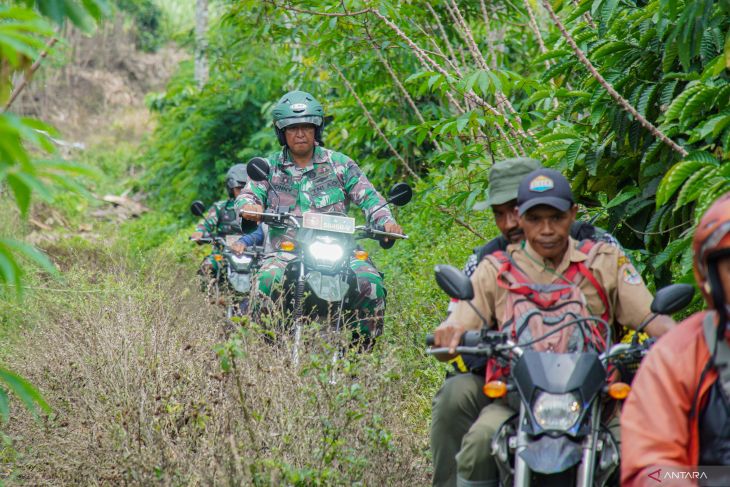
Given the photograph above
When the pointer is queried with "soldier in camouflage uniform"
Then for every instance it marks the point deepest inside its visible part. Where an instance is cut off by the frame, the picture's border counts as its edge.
(221, 220)
(308, 177)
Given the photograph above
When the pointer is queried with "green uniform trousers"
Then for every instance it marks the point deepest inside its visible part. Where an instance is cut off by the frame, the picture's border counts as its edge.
(462, 425)
(368, 300)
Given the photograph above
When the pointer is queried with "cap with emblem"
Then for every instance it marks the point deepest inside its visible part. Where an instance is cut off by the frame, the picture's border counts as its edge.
(505, 177)
(544, 187)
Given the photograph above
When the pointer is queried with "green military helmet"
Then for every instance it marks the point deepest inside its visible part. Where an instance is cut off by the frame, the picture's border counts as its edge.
(236, 177)
(298, 107)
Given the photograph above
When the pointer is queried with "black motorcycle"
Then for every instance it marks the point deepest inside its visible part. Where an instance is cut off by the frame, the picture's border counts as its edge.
(560, 436)
(319, 282)
(232, 283)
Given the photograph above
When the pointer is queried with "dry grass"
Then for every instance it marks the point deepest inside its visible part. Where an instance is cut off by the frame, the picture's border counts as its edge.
(133, 371)
(97, 84)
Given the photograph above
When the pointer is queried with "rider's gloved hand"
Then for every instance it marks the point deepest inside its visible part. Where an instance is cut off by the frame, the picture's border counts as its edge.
(253, 208)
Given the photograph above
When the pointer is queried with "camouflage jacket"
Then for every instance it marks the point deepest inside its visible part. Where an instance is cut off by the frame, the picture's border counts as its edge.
(221, 219)
(327, 185)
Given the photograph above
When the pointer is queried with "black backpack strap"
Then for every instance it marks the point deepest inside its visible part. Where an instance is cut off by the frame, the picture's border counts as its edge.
(494, 245)
(582, 230)
(722, 356)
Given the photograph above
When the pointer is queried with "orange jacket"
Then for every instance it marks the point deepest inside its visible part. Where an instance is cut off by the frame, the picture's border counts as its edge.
(655, 426)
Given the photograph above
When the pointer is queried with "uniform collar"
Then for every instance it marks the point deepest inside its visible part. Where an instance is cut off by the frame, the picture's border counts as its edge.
(316, 159)
(539, 263)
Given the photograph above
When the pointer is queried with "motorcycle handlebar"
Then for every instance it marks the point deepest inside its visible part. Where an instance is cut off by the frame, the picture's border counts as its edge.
(476, 343)
(275, 217)
(468, 339)
(377, 233)
(380, 233)
(210, 240)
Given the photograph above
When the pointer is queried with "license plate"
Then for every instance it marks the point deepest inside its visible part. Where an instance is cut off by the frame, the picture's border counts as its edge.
(328, 223)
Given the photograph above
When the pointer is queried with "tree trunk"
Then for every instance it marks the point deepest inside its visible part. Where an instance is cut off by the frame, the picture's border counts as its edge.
(201, 42)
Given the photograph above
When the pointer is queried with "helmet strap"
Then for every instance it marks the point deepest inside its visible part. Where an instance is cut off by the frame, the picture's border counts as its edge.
(280, 136)
(318, 129)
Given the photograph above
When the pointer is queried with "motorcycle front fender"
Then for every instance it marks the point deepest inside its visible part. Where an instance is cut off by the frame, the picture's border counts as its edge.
(548, 455)
(240, 282)
(328, 288)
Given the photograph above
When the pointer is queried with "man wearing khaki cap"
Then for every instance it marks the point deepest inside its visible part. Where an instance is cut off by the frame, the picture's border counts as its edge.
(504, 179)
(463, 419)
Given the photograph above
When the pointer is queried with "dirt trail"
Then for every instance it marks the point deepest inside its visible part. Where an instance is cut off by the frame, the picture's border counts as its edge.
(145, 388)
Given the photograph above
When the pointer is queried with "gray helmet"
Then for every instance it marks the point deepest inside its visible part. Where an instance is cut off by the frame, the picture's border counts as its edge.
(236, 177)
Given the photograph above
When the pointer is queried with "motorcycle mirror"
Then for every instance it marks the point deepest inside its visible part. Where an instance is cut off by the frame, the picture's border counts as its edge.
(197, 208)
(258, 169)
(400, 194)
(670, 299)
(454, 282)
(386, 245)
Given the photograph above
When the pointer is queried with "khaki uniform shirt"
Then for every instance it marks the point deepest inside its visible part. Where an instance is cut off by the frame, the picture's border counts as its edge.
(628, 297)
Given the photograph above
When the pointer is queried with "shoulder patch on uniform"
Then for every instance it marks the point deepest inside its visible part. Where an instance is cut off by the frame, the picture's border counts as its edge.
(630, 276)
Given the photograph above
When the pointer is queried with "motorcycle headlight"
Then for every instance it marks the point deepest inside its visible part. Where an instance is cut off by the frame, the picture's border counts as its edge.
(556, 411)
(241, 259)
(326, 251)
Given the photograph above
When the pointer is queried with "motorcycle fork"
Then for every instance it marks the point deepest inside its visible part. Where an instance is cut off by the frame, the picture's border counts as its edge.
(217, 283)
(522, 471)
(337, 353)
(298, 312)
(588, 463)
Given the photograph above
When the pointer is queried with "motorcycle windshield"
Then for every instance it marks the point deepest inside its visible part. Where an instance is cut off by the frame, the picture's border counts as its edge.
(559, 373)
(557, 376)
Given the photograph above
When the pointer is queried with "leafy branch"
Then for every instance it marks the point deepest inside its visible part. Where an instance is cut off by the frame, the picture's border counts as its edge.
(607, 86)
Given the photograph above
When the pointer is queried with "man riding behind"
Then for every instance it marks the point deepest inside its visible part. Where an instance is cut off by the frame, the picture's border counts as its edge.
(221, 220)
(678, 412)
(593, 278)
(504, 179)
(305, 177)
(459, 393)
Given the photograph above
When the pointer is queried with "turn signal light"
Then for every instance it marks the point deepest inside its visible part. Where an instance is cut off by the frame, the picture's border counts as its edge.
(619, 390)
(218, 257)
(287, 246)
(361, 255)
(494, 389)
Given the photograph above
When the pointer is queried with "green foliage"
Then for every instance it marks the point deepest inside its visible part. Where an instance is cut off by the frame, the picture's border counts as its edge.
(27, 394)
(147, 17)
(177, 19)
(23, 29)
(83, 14)
(202, 133)
(667, 58)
